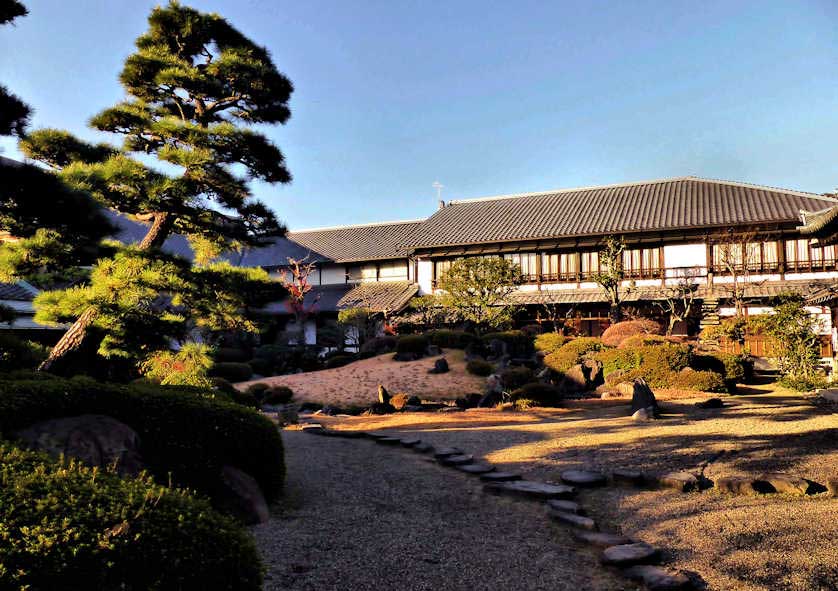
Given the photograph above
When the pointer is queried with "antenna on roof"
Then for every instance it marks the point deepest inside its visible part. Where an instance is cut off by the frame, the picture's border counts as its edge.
(439, 187)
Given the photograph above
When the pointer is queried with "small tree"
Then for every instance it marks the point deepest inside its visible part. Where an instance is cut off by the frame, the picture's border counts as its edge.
(795, 334)
(298, 287)
(678, 300)
(555, 310)
(735, 254)
(357, 324)
(610, 275)
(478, 290)
(429, 308)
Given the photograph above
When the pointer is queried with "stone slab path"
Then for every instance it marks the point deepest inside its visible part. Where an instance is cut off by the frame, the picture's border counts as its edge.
(363, 516)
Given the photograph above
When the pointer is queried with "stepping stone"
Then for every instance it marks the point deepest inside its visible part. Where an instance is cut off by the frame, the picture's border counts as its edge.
(565, 506)
(500, 477)
(388, 440)
(682, 481)
(314, 428)
(600, 539)
(444, 452)
(781, 483)
(458, 460)
(476, 468)
(832, 486)
(630, 554)
(408, 442)
(736, 486)
(583, 478)
(656, 578)
(377, 434)
(528, 488)
(423, 447)
(574, 520)
(629, 476)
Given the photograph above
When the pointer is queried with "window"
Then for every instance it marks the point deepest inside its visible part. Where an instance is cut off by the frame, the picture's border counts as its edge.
(590, 263)
(440, 268)
(642, 262)
(526, 264)
(803, 256)
(559, 266)
(393, 271)
(760, 257)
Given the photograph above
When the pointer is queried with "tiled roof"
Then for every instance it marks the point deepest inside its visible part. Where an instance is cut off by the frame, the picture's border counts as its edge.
(16, 292)
(380, 296)
(669, 204)
(344, 244)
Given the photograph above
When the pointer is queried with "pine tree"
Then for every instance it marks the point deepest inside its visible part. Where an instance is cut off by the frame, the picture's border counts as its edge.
(194, 87)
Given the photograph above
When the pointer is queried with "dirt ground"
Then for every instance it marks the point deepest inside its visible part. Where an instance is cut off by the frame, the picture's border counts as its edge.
(356, 384)
(769, 542)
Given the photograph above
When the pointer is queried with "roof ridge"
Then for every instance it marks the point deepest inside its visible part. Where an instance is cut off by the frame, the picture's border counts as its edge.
(350, 226)
(636, 183)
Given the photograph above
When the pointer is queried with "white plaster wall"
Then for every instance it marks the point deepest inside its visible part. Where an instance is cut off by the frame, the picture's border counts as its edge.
(811, 276)
(394, 271)
(721, 279)
(333, 274)
(425, 276)
(685, 255)
(558, 286)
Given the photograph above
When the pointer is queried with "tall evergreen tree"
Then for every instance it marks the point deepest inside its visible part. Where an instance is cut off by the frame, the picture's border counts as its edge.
(195, 86)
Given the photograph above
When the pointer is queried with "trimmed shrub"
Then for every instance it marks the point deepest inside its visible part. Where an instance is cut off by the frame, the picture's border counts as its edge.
(734, 368)
(263, 367)
(515, 377)
(450, 339)
(571, 353)
(617, 333)
(244, 398)
(379, 345)
(614, 360)
(643, 340)
(539, 394)
(657, 364)
(258, 390)
(518, 343)
(705, 381)
(803, 385)
(231, 371)
(224, 354)
(223, 385)
(66, 526)
(17, 354)
(278, 395)
(549, 342)
(186, 367)
(412, 343)
(186, 433)
(479, 367)
(338, 361)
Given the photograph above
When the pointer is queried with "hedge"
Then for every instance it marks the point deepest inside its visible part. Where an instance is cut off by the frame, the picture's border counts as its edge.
(338, 361)
(188, 433)
(17, 354)
(231, 371)
(571, 353)
(479, 367)
(515, 377)
(450, 339)
(67, 526)
(412, 343)
(518, 343)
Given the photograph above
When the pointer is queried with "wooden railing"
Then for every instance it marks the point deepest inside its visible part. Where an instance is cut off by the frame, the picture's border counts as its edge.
(763, 346)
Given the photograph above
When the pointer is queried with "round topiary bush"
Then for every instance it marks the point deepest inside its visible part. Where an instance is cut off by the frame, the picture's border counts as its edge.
(66, 526)
(451, 339)
(515, 377)
(617, 333)
(278, 395)
(479, 367)
(413, 343)
(231, 371)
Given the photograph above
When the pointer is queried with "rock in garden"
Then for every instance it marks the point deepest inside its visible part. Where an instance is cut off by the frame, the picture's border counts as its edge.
(564, 506)
(610, 394)
(379, 408)
(781, 483)
(593, 373)
(656, 578)
(457, 460)
(574, 380)
(600, 539)
(388, 440)
(377, 434)
(583, 478)
(96, 440)
(476, 468)
(410, 441)
(383, 394)
(735, 486)
(643, 397)
(313, 428)
(399, 400)
(423, 447)
(711, 403)
(440, 366)
(432, 350)
(444, 452)
(573, 519)
(681, 481)
(625, 388)
(413, 408)
(528, 488)
(242, 496)
(642, 415)
(830, 395)
(629, 476)
(500, 477)
(832, 486)
(630, 554)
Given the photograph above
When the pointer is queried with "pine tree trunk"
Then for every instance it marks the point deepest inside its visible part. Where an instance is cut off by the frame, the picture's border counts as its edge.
(70, 340)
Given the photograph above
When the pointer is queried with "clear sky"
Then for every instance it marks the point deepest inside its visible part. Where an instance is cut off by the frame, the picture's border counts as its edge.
(487, 97)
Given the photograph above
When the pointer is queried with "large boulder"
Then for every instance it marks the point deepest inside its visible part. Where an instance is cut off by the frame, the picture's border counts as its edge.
(497, 349)
(96, 440)
(383, 394)
(242, 496)
(573, 380)
(440, 366)
(643, 398)
(593, 373)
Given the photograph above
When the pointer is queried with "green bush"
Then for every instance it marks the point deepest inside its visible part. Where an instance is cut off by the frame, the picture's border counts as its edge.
(549, 342)
(223, 385)
(244, 398)
(412, 343)
(657, 364)
(278, 395)
(450, 339)
(479, 367)
(263, 367)
(379, 345)
(571, 353)
(705, 381)
(515, 377)
(617, 360)
(642, 340)
(338, 361)
(734, 368)
(801, 384)
(258, 389)
(518, 343)
(66, 526)
(17, 354)
(231, 371)
(187, 367)
(234, 354)
(540, 394)
(187, 433)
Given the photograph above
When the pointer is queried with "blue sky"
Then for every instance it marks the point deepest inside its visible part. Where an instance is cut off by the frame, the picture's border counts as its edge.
(487, 97)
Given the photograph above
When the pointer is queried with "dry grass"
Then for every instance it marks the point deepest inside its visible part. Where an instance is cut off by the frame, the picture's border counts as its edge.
(733, 542)
(356, 384)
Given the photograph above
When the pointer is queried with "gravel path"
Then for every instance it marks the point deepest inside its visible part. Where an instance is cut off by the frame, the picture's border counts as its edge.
(358, 516)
